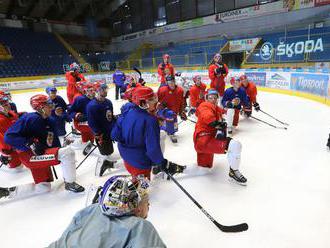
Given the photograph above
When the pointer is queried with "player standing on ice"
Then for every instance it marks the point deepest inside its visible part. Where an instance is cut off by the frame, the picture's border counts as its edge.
(73, 76)
(197, 94)
(171, 98)
(165, 69)
(210, 137)
(8, 156)
(138, 135)
(217, 73)
(116, 220)
(78, 113)
(233, 99)
(251, 91)
(34, 137)
(119, 81)
(101, 119)
(59, 113)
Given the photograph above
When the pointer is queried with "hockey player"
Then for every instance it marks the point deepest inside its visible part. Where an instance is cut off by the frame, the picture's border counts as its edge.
(165, 69)
(233, 99)
(210, 137)
(34, 137)
(138, 135)
(12, 104)
(116, 220)
(171, 97)
(8, 156)
(217, 74)
(78, 113)
(197, 94)
(119, 81)
(59, 113)
(100, 119)
(132, 82)
(73, 76)
(251, 91)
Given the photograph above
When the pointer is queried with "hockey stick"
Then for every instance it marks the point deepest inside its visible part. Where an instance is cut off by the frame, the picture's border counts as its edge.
(274, 118)
(86, 157)
(268, 123)
(67, 135)
(54, 171)
(236, 228)
(191, 120)
(138, 71)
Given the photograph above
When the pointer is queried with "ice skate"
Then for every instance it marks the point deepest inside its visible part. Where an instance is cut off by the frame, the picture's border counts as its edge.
(6, 193)
(88, 148)
(173, 138)
(236, 176)
(102, 165)
(74, 187)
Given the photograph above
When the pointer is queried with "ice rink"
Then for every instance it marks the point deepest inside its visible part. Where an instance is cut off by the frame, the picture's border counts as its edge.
(286, 202)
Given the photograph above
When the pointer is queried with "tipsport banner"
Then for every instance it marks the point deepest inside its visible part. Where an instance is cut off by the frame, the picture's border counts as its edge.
(259, 78)
(316, 84)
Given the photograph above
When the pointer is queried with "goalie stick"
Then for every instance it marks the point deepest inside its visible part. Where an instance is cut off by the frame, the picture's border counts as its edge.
(138, 71)
(235, 228)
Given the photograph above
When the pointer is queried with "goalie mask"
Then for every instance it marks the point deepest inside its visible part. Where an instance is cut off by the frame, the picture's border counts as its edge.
(120, 196)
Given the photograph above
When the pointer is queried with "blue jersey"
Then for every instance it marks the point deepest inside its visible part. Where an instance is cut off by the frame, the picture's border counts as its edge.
(119, 78)
(60, 121)
(230, 94)
(98, 116)
(138, 136)
(79, 106)
(29, 127)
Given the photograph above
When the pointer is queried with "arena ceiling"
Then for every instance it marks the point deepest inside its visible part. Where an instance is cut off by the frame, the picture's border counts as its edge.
(60, 10)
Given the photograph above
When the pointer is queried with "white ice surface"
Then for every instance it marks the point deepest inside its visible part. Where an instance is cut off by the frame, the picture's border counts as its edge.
(286, 202)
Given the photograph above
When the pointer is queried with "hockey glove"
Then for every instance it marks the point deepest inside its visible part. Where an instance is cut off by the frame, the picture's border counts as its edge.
(183, 116)
(171, 168)
(80, 117)
(163, 66)
(99, 139)
(192, 111)
(141, 81)
(5, 159)
(178, 74)
(221, 134)
(218, 124)
(229, 104)
(7, 151)
(247, 112)
(37, 148)
(256, 106)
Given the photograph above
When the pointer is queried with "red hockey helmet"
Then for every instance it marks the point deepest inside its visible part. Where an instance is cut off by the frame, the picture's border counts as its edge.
(142, 93)
(80, 86)
(74, 67)
(39, 101)
(166, 56)
(243, 77)
(196, 77)
(3, 98)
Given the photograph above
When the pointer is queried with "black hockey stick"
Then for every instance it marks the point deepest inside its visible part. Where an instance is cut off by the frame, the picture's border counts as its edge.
(286, 124)
(236, 228)
(191, 120)
(86, 157)
(67, 135)
(268, 123)
(138, 71)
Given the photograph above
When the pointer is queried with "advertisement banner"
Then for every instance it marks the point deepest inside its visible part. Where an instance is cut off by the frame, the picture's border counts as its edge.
(278, 80)
(302, 4)
(242, 45)
(321, 2)
(259, 78)
(311, 83)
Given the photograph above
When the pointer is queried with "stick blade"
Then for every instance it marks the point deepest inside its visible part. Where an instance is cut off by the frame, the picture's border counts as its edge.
(236, 228)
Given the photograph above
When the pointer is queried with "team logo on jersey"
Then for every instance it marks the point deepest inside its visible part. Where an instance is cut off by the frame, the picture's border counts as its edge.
(46, 157)
(266, 51)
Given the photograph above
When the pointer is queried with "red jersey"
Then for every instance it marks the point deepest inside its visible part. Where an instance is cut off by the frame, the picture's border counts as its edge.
(217, 81)
(206, 114)
(71, 88)
(169, 70)
(173, 99)
(251, 91)
(5, 123)
(197, 94)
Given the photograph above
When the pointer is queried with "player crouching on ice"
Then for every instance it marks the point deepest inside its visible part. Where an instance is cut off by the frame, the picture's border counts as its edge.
(100, 120)
(251, 91)
(34, 137)
(233, 99)
(9, 159)
(116, 219)
(138, 135)
(210, 137)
